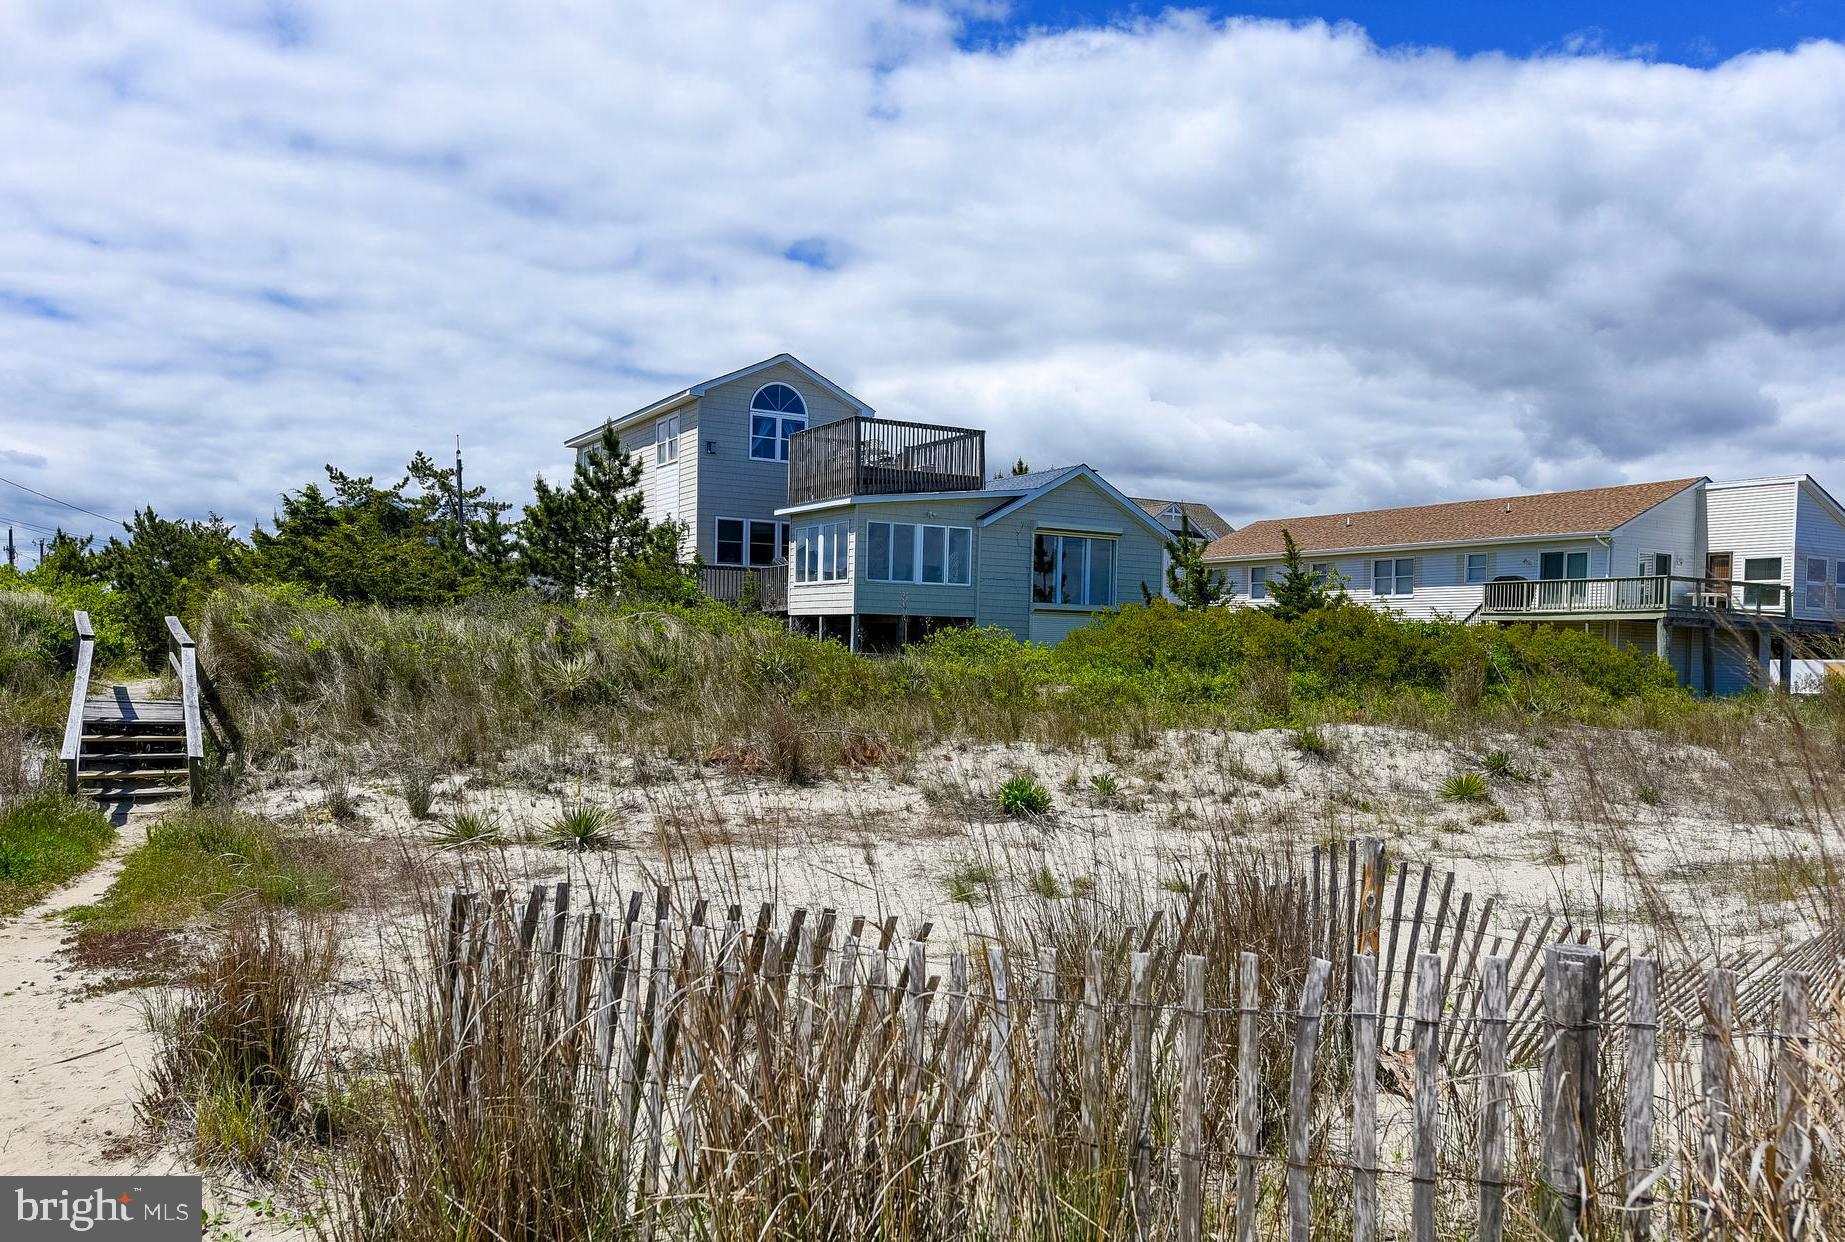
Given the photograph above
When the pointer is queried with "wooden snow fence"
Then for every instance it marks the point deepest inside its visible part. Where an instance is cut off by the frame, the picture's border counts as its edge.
(841, 1080)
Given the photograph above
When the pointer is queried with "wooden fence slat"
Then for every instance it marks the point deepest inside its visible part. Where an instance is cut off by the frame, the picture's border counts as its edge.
(1090, 1071)
(658, 1067)
(1300, 1100)
(1248, 1105)
(1496, 1092)
(694, 1024)
(1000, 1103)
(915, 1045)
(1364, 1096)
(1425, 1103)
(1140, 1089)
(950, 1205)
(1390, 953)
(1560, 1208)
(1409, 952)
(1637, 1110)
(1191, 1101)
(1046, 1021)
(1792, 1146)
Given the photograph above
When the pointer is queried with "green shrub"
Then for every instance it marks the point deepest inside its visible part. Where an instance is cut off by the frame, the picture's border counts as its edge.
(969, 878)
(1022, 796)
(46, 840)
(584, 826)
(1466, 787)
(467, 827)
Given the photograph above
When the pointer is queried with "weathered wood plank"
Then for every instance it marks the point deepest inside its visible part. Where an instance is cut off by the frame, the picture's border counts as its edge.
(1425, 1103)
(1496, 1097)
(1140, 1089)
(1248, 1102)
(1637, 1108)
(1364, 1096)
(1300, 1100)
(1191, 1101)
(1793, 1145)
(1000, 1098)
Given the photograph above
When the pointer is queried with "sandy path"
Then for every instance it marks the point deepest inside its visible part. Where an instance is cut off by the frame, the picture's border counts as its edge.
(69, 1063)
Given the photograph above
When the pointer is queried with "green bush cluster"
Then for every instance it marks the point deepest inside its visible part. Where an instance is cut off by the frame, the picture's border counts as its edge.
(45, 840)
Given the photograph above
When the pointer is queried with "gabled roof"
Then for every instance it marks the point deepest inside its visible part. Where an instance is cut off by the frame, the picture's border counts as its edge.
(1203, 518)
(1054, 479)
(700, 389)
(1590, 511)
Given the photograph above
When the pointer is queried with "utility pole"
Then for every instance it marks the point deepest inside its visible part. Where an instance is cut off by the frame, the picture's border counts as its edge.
(12, 556)
(461, 503)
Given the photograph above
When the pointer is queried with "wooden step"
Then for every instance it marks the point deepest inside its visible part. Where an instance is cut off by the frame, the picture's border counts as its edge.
(94, 765)
(133, 793)
(127, 711)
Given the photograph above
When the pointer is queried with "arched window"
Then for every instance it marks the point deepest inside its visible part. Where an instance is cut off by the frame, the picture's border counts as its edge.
(776, 412)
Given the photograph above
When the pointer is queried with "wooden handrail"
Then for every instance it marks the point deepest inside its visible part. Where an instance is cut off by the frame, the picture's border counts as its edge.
(85, 651)
(183, 655)
(1642, 593)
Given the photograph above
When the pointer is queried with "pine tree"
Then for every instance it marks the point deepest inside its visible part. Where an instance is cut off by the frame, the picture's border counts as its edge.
(1299, 590)
(1019, 467)
(1192, 583)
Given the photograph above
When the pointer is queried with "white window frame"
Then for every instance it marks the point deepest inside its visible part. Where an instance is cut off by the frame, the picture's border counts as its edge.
(666, 441)
(1088, 592)
(1650, 564)
(823, 552)
(1395, 576)
(1258, 582)
(1753, 594)
(1486, 567)
(717, 541)
(1323, 571)
(1816, 587)
(785, 423)
(875, 573)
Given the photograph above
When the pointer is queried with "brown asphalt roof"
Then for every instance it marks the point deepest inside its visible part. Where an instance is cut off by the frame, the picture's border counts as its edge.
(1202, 516)
(1594, 509)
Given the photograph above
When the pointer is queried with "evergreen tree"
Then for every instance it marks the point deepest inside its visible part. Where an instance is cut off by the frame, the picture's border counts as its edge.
(68, 558)
(1192, 583)
(1299, 591)
(164, 567)
(594, 536)
(1020, 467)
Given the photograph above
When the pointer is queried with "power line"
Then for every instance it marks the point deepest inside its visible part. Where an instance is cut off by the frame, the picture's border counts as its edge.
(43, 530)
(67, 504)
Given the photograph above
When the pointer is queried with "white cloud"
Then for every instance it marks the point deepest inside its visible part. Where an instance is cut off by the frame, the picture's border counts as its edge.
(1262, 264)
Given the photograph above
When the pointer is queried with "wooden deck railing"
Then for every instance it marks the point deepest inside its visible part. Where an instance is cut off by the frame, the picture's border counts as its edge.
(729, 583)
(183, 655)
(1648, 593)
(883, 457)
(84, 650)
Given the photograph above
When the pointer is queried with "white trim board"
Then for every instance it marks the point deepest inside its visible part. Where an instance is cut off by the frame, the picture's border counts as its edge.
(702, 387)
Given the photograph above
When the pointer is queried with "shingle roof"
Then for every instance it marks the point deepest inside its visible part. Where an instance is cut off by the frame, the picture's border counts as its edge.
(1026, 482)
(1204, 519)
(1591, 510)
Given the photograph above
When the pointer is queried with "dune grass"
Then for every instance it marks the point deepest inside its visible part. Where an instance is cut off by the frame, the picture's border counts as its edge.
(198, 860)
(47, 839)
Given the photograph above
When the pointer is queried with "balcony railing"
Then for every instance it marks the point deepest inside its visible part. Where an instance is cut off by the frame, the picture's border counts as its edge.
(1651, 593)
(729, 583)
(883, 457)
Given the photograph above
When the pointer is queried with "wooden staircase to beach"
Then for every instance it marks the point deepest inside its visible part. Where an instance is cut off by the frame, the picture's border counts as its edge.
(122, 745)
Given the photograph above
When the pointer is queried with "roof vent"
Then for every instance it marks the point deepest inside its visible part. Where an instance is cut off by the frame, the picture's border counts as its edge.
(1348, 519)
(1508, 506)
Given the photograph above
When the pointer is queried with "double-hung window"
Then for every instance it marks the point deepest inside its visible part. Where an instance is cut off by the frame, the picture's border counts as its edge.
(1076, 570)
(1395, 576)
(1554, 565)
(1762, 569)
(1816, 582)
(820, 552)
(1258, 582)
(1322, 571)
(666, 441)
(776, 412)
(1476, 567)
(917, 552)
(749, 541)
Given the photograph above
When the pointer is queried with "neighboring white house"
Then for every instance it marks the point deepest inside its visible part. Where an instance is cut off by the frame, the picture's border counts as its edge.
(714, 456)
(1721, 578)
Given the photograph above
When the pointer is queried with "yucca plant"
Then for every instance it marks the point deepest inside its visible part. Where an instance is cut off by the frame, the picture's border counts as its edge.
(583, 826)
(466, 827)
(1466, 787)
(1022, 796)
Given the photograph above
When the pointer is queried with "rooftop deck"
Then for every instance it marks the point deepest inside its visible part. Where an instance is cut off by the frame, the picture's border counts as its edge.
(883, 457)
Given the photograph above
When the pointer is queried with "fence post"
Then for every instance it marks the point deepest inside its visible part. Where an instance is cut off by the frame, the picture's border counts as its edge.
(1300, 1101)
(1001, 1050)
(1090, 1072)
(1425, 1104)
(1637, 1114)
(916, 1047)
(952, 1211)
(1248, 1106)
(1495, 1001)
(1364, 1087)
(1719, 1017)
(1560, 1206)
(1792, 1149)
(1191, 1102)
(1140, 1087)
(657, 1067)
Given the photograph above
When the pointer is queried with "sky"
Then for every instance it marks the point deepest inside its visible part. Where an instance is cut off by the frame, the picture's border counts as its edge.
(1282, 259)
